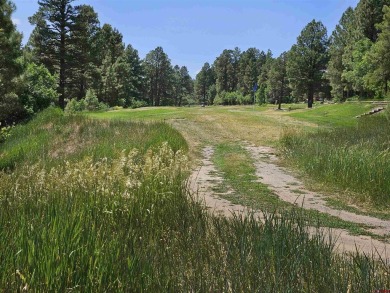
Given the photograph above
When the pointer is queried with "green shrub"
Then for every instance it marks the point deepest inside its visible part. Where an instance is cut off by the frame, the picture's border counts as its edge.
(5, 132)
(138, 104)
(90, 103)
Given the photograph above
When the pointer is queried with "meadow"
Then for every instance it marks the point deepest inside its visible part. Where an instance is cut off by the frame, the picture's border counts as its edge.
(103, 205)
(355, 158)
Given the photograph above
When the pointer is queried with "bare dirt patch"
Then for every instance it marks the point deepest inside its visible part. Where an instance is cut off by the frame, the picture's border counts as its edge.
(279, 180)
(205, 178)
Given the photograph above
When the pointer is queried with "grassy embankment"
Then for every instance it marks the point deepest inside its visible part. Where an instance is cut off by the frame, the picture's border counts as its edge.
(99, 216)
(353, 156)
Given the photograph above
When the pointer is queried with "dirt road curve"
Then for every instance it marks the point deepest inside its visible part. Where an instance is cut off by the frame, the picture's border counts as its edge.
(283, 184)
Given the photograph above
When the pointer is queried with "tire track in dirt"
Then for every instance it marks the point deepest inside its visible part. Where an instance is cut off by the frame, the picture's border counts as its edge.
(203, 181)
(205, 178)
(286, 186)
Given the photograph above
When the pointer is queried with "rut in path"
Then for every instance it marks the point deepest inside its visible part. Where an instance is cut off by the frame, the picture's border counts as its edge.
(205, 178)
(279, 181)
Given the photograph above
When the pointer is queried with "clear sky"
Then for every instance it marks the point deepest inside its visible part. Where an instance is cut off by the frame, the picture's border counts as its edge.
(194, 32)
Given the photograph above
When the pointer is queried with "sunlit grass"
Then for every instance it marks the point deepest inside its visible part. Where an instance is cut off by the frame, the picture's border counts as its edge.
(237, 168)
(333, 115)
(53, 137)
(111, 213)
(354, 158)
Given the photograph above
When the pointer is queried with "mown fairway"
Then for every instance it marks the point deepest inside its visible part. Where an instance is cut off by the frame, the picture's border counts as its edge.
(93, 205)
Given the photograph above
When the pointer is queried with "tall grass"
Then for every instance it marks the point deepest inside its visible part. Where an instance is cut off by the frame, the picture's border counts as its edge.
(353, 158)
(119, 226)
(128, 224)
(52, 137)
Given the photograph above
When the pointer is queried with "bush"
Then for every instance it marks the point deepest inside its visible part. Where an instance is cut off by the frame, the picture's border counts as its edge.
(90, 103)
(232, 98)
(39, 88)
(138, 104)
(5, 132)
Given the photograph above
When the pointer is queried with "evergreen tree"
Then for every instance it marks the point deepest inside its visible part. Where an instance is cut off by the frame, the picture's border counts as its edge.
(277, 79)
(356, 66)
(251, 62)
(341, 37)
(158, 70)
(204, 81)
(226, 68)
(127, 78)
(262, 92)
(378, 76)
(51, 38)
(307, 61)
(109, 48)
(136, 76)
(368, 14)
(109, 42)
(182, 84)
(10, 43)
(83, 61)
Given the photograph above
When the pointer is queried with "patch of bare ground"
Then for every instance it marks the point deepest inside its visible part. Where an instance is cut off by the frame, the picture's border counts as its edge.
(202, 183)
(205, 178)
(292, 190)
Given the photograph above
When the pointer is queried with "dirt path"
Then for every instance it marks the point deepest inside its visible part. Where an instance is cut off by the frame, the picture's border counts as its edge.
(292, 190)
(202, 182)
(205, 178)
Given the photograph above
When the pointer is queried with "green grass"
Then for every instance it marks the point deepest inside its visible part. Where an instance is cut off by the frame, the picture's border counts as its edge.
(236, 166)
(151, 113)
(94, 234)
(350, 158)
(333, 115)
(53, 137)
(123, 221)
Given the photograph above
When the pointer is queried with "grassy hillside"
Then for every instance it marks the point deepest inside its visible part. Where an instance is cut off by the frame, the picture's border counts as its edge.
(112, 213)
(52, 138)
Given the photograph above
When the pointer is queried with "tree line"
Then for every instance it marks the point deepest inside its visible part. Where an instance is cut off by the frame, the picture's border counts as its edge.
(70, 56)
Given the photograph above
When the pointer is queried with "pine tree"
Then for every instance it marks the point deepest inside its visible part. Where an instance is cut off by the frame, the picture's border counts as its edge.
(50, 39)
(10, 44)
(368, 14)
(204, 81)
(250, 65)
(182, 84)
(277, 79)
(83, 61)
(341, 37)
(307, 61)
(378, 76)
(159, 72)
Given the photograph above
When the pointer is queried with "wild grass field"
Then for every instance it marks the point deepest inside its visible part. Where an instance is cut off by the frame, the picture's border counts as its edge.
(103, 205)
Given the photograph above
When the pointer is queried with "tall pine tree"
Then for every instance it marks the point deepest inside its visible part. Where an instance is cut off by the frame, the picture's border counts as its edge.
(159, 73)
(50, 39)
(307, 61)
(10, 43)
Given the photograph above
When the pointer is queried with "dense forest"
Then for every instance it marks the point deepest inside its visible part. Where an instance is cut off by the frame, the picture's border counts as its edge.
(75, 62)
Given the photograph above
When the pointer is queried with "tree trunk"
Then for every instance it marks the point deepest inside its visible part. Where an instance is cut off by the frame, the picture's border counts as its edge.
(281, 95)
(310, 97)
(61, 99)
(204, 94)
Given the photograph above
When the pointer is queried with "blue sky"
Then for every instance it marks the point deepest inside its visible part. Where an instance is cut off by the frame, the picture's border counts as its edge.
(194, 32)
